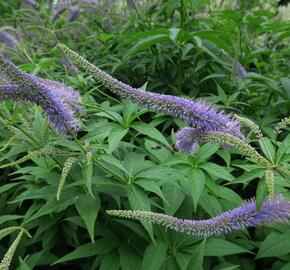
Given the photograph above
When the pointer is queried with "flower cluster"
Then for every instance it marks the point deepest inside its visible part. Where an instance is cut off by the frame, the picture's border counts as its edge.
(201, 117)
(272, 210)
(59, 102)
(9, 39)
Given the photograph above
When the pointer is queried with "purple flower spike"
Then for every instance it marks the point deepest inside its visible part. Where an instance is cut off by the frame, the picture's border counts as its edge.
(272, 210)
(74, 13)
(31, 3)
(241, 70)
(59, 102)
(9, 40)
(199, 115)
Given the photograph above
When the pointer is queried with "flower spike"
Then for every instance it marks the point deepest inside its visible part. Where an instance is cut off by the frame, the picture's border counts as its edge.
(59, 102)
(198, 114)
(272, 210)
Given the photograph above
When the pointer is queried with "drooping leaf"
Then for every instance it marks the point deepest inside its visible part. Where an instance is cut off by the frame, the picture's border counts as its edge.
(197, 257)
(221, 247)
(154, 256)
(88, 208)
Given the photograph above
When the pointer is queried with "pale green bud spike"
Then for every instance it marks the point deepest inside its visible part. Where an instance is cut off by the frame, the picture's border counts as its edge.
(7, 125)
(9, 230)
(253, 126)
(270, 182)
(33, 154)
(82, 62)
(282, 124)
(65, 171)
(283, 171)
(6, 145)
(6, 261)
(246, 149)
(25, 122)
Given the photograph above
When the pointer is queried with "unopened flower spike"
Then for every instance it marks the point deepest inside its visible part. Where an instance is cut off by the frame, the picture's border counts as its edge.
(34, 154)
(272, 210)
(65, 171)
(252, 125)
(282, 124)
(269, 177)
(7, 259)
(59, 102)
(224, 139)
(199, 115)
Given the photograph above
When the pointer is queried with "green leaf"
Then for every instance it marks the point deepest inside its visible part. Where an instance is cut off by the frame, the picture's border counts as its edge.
(250, 175)
(197, 256)
(173, 34)
(193, 183)
(6, 187)
(182, 259)
(101, 246)
(129, 259)
(151, 132)
(139, 201)
(286, 266)
(6, 231)
(88, 208)
(217, 171)
(52, 206)
(146, 43)
(213, 76)
(210, 203)
(267, 148)
(223, 192)
(261, 193)
(205, 151)
(283, 148)
(115, 137)
(87, 171)
(151, 186)
(6, 218)
(275, 245)
(174, 195)
(110, 262)
(154, 256)
(112, 165)
(221, 247)
(225, 155)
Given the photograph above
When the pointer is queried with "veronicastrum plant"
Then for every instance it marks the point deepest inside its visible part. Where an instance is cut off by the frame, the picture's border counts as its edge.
(206, 124)
(122, 157)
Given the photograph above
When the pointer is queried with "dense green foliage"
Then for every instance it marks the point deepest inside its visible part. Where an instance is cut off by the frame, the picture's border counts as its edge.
(124, 156)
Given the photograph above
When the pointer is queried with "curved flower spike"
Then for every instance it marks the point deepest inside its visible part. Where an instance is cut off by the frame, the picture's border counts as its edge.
(9, 40)
(199, 115)
(59, 102)
(272, 210)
